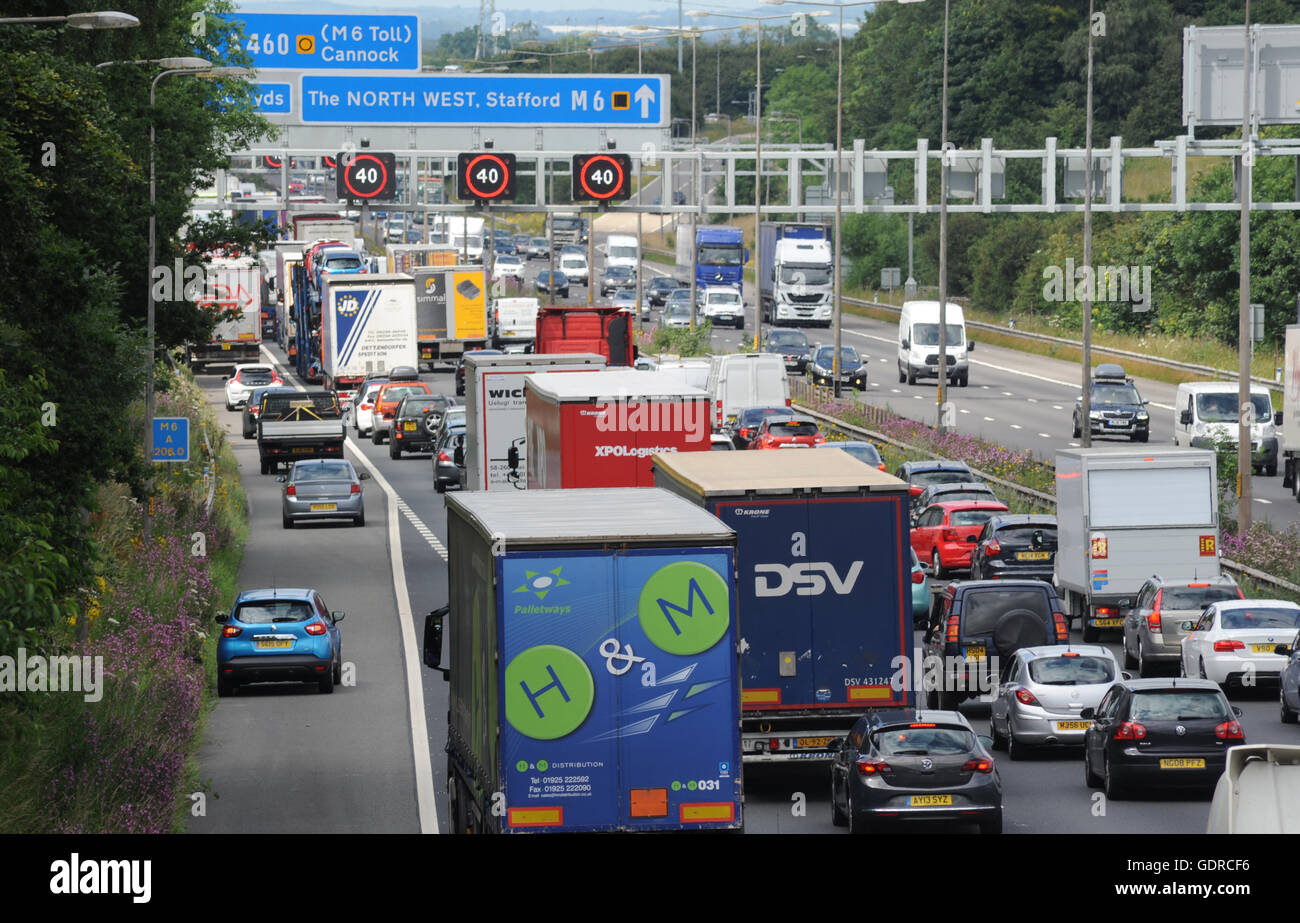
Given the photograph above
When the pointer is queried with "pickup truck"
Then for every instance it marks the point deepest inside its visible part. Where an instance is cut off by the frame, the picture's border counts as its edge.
(303, 424)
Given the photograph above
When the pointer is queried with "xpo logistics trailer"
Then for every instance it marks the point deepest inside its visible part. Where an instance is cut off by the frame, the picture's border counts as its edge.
(1125, 514)
(592, 662)
(600, 429)
(496, 417)
(451, 312)
(823, 566)
(369, 327)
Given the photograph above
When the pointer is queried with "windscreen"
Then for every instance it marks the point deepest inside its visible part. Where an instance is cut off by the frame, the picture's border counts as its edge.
(299, 406)
(719, 255)
(1262, 617)
(1179, 705)
(565, 224)
(397, 392)
(928, 335)
(1222, 408)
(343, 262)
(724, 298)
(970, 517)
(863, 453)
(1117, 394)
(256, 377)
(266, 612)
(324, 471)
(622, 253)
(1143, 495)
(1028, 534)
(787, 338)
(1071, 671)
(1196, 597)
(982, 609)
(794, 428)
(926, 478)
(934, 741)
(805, 275)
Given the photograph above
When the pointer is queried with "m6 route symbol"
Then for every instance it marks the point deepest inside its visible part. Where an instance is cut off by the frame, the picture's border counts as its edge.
(369, 177)
(485, 176)
(602, 177)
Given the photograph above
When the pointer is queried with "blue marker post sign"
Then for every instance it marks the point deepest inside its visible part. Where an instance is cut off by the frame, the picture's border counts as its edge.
(489, 99)
(331, 41)
(171, 439)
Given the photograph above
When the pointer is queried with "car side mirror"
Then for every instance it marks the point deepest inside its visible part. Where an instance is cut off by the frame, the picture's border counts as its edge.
(970, 346)
(1187, 626)
(222, 618)
(1185, 418)
(1124, 674)
(1277, 418)
(985, 741)
(433, 640)
(338, 615)
(458, 456)
(363, 475)
(906, 344)
(281, 479)
(1088, 713)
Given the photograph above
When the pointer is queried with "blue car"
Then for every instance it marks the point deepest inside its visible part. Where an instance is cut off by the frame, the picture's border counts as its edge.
(920, 592)
(278, 635)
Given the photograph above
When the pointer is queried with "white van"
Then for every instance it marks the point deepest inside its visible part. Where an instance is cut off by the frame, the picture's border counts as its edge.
(741, 380)
(1206, 411)
(574, 266)
(918, 343)
(620, 250)
(514, 323)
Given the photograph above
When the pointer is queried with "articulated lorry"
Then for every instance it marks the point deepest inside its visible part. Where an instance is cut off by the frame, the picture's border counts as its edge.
(233, 285)
(824, 584)
(368, 327)
(565, 228)
(1125, 514)
(1289, 442)
(719, 252)
(496, 417)
(797, 286)
(592, 664)
(451, 312)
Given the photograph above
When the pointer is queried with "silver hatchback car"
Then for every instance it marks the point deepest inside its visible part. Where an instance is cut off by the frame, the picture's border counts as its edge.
(1042, 691)
(1152, 636)
(322, 488)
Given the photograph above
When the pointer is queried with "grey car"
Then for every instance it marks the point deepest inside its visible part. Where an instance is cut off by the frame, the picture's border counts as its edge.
(322, 488)
(943, 493)
(913, 765)
(1153, 637)
(1289, 696)
(1042, 691)
(446, 471)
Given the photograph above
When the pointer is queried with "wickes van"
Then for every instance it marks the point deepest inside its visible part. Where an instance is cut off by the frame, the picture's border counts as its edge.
(918, 343)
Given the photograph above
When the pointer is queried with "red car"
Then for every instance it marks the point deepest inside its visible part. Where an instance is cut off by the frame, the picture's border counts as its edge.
(386, 400)
(779, 432)
(945, 533)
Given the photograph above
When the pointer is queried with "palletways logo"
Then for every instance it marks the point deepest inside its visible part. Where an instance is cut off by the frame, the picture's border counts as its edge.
(352, 311)
(540, 584)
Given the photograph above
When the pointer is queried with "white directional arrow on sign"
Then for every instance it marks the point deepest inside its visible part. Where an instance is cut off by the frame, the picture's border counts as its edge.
(645, 96)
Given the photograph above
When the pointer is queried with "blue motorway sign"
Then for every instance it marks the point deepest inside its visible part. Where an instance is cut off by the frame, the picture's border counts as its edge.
(331, 41)
(171, 439)
(274, 98)
(484, 99)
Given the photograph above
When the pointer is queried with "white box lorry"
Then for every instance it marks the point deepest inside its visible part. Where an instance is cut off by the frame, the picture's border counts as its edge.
(368, 327)
(1125, 514)
(1289, 436)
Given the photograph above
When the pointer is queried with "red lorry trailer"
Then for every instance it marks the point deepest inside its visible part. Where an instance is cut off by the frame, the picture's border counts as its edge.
(605, 331)
(599, 429)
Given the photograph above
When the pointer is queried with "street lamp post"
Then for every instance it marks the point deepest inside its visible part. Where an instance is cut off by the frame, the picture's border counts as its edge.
(942, 369)
(1085, 406)
(107, 19)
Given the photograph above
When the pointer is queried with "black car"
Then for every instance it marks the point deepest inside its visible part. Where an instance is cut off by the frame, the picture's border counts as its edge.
(908, 765)
(792, 345)
(460, 367)
(1163, 733)
(415, 422)
(449, 458)
(543, 283)
(944, 493)
(748, 421)
(616, 277)
(1116, 407)
(254, 406)
(921, 474)
(975, 624)
(658, 288)
(1015, 545)
(853, 368)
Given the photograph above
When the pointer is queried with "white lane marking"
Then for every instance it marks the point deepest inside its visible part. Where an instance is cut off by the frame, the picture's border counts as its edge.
(1074, 445)
(1032, 400)
(1046, 435)
(424, 791)
(963, 410)
(1261, 500)
(917, 396)
(1057, 407)
(988, 420)
(1016, 426)
(1006, 394)
(896, 390)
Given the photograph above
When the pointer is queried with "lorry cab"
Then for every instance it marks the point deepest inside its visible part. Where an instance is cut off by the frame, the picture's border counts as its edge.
(918, 343)
(1206, 411)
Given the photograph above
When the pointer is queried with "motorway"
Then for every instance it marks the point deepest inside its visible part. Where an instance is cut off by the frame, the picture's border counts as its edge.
(282, 758)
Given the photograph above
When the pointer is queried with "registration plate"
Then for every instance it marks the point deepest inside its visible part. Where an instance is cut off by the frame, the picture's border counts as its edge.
(1107, 623)
(225, 346)
(273, 643)
(323, 507)
(1117, 422)
(1262, 648)
(812, 743)
(1182, 764)
(409, 426)
(302, 450)
(975, 652)
(1033, 555)
(1073, 725)
(930, 801)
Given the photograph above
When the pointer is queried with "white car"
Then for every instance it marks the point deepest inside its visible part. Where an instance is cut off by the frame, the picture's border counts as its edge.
(1232, 642)
(247, 377)
(722, 305)
(506, 266)
(1038, 700)
(363, 408)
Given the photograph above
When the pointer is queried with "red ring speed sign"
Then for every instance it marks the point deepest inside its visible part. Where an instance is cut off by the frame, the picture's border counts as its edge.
(613, 164)
(487, 193)
(383, 176)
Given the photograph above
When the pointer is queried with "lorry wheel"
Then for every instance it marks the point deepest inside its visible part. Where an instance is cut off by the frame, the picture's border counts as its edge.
(266, 467)
(1270, 470)
(1075, 432)
(902, 376)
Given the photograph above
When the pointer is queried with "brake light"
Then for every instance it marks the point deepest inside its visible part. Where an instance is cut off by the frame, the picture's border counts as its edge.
(992, 547)
(922, 724)
(918, 576)
(315, 628)
(1062, 629)
(1070, 654)
(1102, 612)
(356, 489)
(291, 491)
(1229, 730)
(979, 765)
(231, 631)
(444, 457)
(873, 767)
(953, 623)
(1025, 697)
(787, 402)
(1130, 730)
(1191, 584)
(1229, 645)
(1153, 618)
(718, 405)
(365, 406)
(881, 467)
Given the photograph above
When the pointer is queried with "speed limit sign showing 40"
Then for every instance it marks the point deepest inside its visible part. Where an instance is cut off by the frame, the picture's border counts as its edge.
(367, 177)
(602, 177)
(485, 176)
